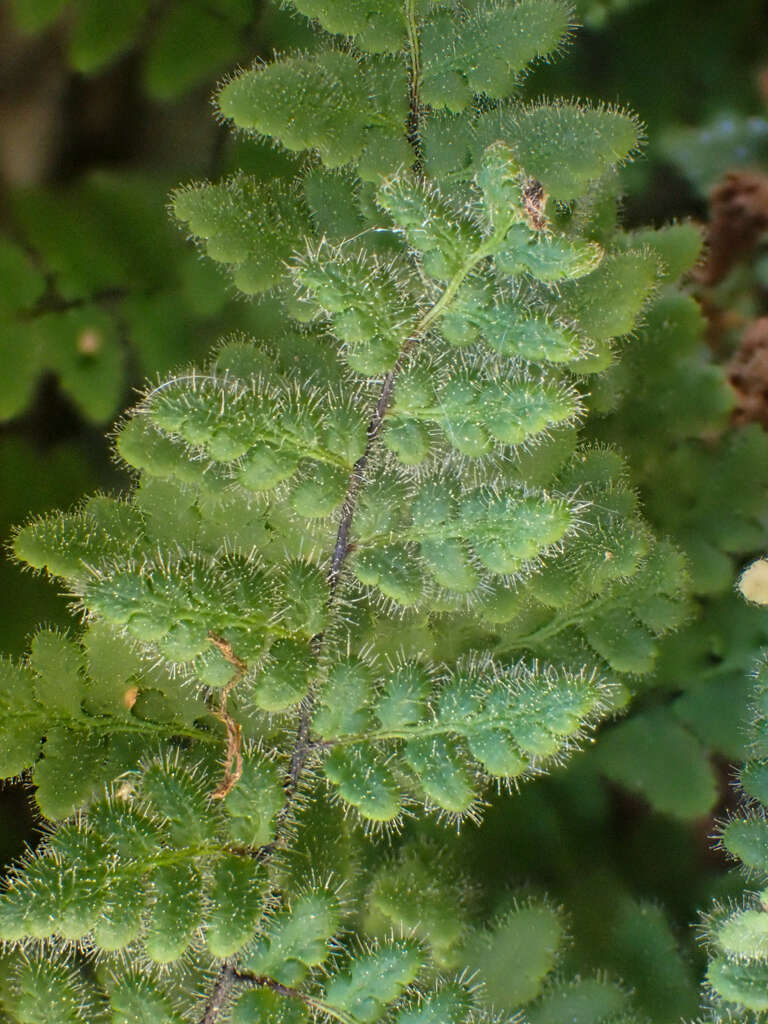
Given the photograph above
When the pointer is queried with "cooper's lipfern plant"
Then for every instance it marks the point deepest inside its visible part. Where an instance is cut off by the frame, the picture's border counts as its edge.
(368, 569)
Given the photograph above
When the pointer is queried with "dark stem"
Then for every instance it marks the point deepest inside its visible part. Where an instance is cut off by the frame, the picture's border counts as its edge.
(52, 302)
(341, 549)
(412, 132)
(226, 982)
(413, 123)
(303, 746)
(299, 756)
(230, 978)
(276, 986)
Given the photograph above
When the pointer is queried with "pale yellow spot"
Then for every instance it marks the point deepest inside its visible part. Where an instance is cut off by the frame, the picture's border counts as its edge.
(89, 342)
(753, 582)
(130, 695)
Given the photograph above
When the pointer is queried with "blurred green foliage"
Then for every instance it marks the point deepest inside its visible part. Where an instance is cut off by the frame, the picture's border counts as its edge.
(181, 44)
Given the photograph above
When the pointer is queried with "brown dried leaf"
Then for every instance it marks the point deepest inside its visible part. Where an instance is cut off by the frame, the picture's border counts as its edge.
(738, 217)
(748, 373)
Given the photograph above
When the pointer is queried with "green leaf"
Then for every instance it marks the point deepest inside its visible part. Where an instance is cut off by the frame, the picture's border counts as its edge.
(67, 230)
(442, 774)
(343, 700)
(51, 992)
(423, 893)
(255, 802)
(645, 951)
(451, 1003)
(502, 529)
(296, 938)
(431, 223)
(249, 226)
(366, 300)
(376, 27)
(50, 898)
(286, 677)
(507, 718)
(747, 839)
(236, 903)
(448, 143)
(120, 922)
(89, 725)
(100, 34)
(546, 258)
(71, 772)
(656, 757)
(566, 146)
(510, 36)
(508, 328)
(364, 783)
(177, 606)
(402, 702)
(391, 570)
(267, 1007)
(581, 1001)
(154, 862)
(625, 644)
(744, 935)
(176, 913)
(35, 15)
(608, 302)
(178, 793)
(189, 46)
(307, 102)
(474, 413)
(754, 779)
(516, 954)
(716, 711)
(261, 433)
(742, 984)
(23, 284)
(136, 1000)
(373, 980)
(677, 246)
